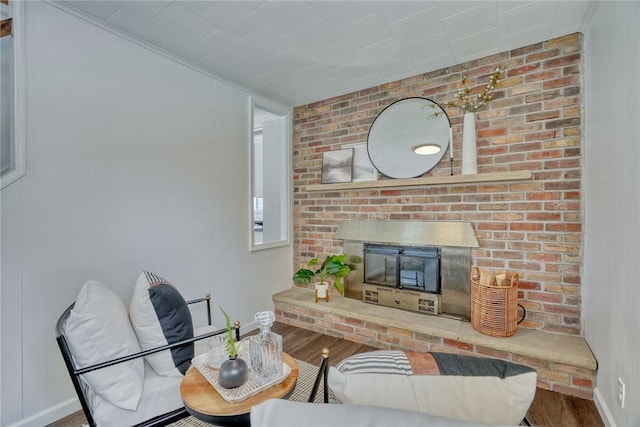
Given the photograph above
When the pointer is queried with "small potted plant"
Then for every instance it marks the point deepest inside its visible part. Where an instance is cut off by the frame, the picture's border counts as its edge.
(234, 371)
(333, 266)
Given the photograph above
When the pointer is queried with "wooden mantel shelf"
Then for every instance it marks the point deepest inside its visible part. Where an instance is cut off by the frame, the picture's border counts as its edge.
(430, 180)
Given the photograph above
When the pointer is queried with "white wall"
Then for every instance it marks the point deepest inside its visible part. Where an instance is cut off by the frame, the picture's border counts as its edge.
(612, 205)
(134, 162)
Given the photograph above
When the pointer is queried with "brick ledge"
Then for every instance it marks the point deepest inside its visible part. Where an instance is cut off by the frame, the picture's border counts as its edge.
(564, 349)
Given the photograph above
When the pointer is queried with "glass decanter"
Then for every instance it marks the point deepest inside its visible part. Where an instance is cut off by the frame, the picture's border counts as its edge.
(266, 349)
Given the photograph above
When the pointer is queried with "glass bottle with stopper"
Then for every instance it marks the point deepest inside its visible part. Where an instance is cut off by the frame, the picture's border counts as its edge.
(266, 349)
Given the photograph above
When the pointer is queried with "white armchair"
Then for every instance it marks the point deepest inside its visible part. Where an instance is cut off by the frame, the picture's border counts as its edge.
(111, 372)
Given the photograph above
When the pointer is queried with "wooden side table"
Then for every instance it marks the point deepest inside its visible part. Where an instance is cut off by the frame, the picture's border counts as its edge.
(203, 401)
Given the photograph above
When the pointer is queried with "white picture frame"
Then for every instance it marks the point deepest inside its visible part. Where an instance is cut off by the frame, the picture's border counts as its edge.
(362, 168)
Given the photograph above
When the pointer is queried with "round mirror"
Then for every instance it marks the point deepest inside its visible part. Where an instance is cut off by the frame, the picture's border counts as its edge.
(408, 138)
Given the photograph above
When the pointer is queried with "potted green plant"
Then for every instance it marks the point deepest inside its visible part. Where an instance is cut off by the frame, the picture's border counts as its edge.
(233, 372)
(332, 267)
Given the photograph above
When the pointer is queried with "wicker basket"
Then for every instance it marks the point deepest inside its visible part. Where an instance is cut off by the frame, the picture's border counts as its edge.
(494, 309)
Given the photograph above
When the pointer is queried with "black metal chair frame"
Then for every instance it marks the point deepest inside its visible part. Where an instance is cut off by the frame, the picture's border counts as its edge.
(322, 374)
(75, 372)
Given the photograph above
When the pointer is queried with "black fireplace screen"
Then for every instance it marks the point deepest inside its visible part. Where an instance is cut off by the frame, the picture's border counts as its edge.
(415, 268)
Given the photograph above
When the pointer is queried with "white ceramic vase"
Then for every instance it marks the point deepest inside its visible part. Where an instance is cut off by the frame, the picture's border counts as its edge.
(469, 147)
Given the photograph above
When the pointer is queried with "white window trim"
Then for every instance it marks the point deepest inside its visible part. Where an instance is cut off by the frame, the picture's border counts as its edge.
(19, 169)
(287, 196)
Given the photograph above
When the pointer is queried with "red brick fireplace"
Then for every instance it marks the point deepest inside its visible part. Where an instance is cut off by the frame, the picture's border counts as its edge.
(531, 224)
(533, 227)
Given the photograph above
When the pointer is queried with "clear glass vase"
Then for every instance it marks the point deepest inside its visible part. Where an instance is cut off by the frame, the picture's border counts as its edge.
(266, 349)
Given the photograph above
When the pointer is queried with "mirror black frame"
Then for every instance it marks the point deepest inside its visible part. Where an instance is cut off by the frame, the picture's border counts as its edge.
(396, 158)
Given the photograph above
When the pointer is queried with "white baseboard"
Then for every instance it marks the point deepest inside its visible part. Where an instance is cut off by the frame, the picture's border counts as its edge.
(50, 415)
(603, 409)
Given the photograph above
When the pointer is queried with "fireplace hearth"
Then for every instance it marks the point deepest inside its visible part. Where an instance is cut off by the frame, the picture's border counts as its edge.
(418, 266)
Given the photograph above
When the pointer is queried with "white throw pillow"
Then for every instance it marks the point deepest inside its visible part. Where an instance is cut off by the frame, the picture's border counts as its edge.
(98, 330)
(160, 316)
(447, 385)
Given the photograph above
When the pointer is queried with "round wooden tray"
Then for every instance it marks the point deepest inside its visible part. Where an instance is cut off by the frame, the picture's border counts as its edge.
(200, 398)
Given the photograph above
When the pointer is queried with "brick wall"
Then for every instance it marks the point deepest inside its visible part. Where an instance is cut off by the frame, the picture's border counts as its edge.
(533, 123)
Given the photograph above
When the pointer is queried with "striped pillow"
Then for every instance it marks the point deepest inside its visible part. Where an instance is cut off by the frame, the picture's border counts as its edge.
(448, 385)
(376, 362)
(160, 316)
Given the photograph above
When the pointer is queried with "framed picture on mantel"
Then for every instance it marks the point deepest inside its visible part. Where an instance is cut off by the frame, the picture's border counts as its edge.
(362, 168)
(336, 166)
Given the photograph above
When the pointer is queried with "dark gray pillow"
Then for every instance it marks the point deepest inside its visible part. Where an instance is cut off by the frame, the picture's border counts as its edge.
(160, 316)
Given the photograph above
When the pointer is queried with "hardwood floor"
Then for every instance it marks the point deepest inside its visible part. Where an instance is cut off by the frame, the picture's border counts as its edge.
(307, 345)
(76, 419)
(549, 409)
(554, 409)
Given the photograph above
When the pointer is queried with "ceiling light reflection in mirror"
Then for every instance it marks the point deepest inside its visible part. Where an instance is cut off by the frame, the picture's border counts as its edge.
(427, 149)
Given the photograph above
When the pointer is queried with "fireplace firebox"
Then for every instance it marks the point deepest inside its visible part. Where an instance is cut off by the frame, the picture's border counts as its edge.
(402, 277)
(421, 266)
(413, 268)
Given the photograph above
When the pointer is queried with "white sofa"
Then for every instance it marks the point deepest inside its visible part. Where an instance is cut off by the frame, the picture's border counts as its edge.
(284, 413)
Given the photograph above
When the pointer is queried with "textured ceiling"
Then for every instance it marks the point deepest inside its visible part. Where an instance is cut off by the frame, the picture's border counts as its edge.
(297, 52)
